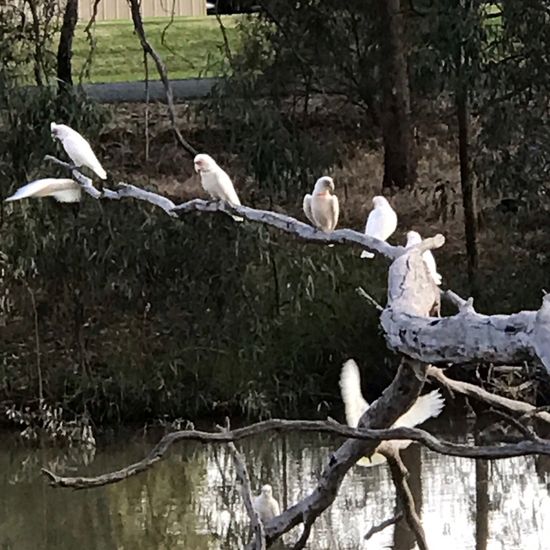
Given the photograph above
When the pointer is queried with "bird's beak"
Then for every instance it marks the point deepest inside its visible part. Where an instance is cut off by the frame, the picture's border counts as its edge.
(197, 168)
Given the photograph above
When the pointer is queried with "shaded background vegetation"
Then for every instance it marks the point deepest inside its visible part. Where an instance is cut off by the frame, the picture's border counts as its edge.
(124, 315)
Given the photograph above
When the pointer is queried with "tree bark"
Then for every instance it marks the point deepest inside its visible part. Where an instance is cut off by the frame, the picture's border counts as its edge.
(399, 155)
(65, 47)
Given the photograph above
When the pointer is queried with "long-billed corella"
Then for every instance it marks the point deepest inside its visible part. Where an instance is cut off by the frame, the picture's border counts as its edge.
(414, 238)
(77, 148)
(265, 504)
(321, 207)
(215, 181)
(61, 189)
(381, 223)
(426, 406)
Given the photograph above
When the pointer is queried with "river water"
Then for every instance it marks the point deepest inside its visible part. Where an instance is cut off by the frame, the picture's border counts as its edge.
(189, 500)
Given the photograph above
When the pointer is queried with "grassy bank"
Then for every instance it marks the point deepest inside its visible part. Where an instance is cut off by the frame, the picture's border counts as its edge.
(190, 47)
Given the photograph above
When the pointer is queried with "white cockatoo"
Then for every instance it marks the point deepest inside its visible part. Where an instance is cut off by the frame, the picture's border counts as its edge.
(215, 181)
(426, 406)
(414, 238)
(78, 149)
(381, 223)
(61, 189)
(321, 207)
(266, 506)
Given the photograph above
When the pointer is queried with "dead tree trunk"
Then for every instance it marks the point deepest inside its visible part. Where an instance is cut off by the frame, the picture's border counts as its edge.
(65, 47)
(399, 154)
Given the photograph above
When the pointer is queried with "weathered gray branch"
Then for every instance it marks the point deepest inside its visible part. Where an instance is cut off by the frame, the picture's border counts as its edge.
(399, 475)
(536, 446)
(470, 390)
(413, 297)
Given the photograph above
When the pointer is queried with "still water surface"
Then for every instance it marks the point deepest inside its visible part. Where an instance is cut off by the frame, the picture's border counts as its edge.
(188, 500)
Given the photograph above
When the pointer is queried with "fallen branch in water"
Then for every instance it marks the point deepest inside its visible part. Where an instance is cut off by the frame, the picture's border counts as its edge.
(536, 446)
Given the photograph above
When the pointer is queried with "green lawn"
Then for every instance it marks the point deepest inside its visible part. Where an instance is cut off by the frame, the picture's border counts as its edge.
(193, 47)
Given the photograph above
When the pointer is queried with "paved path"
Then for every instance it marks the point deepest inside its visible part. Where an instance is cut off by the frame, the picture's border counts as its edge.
(134, 92)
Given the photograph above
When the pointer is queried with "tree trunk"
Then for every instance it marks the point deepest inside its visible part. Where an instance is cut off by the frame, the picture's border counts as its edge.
(399, 154)
(65, 47)
(468, 190)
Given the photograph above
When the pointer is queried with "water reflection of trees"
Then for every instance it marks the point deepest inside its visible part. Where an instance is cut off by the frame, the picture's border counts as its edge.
(189, 501)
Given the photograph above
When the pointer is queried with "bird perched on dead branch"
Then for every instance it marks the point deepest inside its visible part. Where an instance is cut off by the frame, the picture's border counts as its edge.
(216, 182)
(77, 148)
(381, 223)
(321, 207)
(266, 505)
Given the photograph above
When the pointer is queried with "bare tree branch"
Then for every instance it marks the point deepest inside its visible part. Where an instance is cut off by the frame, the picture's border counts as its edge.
(470, 390)
(399, 475)
(533, 446)
(163, 73)
(381, 526)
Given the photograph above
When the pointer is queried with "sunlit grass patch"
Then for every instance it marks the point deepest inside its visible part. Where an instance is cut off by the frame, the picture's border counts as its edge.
(192, 47)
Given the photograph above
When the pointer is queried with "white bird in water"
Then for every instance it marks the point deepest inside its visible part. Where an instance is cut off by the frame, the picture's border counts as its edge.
(381, 223)
(266, 506)
(321, 207)
(414, 238)
(426, 406)
(78, 149)
(216, 182)
(61, 189)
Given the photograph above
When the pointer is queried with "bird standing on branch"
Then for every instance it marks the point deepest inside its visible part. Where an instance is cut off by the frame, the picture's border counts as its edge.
(216, 182)
(426, 406)
(381, 223)
(77, 148)
(266, 506)
(321, 207)
(414, 238)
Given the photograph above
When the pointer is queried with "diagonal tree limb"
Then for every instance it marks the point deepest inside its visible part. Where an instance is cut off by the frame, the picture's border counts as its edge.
(163, 73)
(399, 475)
(470, 390)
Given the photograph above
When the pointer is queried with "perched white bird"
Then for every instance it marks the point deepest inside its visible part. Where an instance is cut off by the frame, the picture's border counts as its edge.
(77, 148)
(414, 238)
(215, 181)
(381, 223)
(266, 506)
(426, 406)
(61, 189)
(321, 208)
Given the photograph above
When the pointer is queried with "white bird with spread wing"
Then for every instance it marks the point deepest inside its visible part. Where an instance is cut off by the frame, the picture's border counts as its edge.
(77, 148)
(321, 207)
(414, 238)
(61, 189)
(426, 406)
(216, 182)
(266, 506)
(381, 223)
